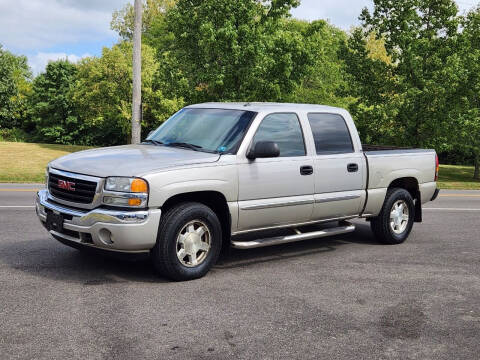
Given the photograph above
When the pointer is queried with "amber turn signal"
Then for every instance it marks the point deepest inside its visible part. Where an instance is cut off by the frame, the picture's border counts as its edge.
(138, 186)
(134, 202)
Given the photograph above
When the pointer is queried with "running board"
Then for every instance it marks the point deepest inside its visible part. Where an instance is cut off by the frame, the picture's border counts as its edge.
(347, 228)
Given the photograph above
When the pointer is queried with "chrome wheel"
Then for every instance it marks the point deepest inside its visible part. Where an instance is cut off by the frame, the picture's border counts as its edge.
(399, 217)
(193, 243)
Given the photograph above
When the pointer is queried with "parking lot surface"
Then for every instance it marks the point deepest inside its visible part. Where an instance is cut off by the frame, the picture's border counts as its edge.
(346, 297)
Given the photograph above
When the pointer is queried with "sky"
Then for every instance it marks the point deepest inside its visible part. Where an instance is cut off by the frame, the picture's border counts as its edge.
(45, 30)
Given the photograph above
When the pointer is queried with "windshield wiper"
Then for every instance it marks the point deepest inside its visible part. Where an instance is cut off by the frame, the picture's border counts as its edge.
(185, 145)
(154, 142)
(191, 147)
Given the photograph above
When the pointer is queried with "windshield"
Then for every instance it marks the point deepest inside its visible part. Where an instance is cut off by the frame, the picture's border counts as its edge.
(212, 130)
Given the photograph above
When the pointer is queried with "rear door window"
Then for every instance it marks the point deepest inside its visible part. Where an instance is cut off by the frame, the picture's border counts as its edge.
(330, 133)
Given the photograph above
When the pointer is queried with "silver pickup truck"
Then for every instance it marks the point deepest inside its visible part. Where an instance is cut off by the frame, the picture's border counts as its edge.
(215, 172)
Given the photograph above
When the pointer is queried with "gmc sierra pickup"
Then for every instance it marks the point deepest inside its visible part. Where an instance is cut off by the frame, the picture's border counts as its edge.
(215, 172)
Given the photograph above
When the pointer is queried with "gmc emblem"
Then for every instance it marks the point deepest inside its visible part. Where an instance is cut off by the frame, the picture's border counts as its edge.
(66, 185)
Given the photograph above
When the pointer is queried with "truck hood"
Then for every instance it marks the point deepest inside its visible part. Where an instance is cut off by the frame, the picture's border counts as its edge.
(129, 160)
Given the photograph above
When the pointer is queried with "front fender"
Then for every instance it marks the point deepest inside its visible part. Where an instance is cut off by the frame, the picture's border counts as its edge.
(164, 185)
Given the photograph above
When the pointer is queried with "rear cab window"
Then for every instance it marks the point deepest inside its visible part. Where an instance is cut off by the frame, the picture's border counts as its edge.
(330, 133)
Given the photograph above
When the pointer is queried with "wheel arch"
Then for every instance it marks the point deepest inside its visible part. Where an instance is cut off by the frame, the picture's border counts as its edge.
(411, 185)
(215, 200)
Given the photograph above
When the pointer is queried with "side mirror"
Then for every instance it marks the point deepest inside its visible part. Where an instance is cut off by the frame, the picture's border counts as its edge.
(264, 149)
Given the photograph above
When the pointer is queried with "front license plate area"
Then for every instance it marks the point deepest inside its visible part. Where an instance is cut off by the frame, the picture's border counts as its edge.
(54, 221)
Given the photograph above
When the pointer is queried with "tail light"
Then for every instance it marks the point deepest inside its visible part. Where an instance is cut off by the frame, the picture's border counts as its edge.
(437, 167)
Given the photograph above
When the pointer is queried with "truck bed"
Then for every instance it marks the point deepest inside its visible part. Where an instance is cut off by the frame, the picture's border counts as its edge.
(385, 164)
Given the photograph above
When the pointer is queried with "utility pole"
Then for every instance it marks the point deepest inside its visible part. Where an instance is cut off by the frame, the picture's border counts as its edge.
(137, 74)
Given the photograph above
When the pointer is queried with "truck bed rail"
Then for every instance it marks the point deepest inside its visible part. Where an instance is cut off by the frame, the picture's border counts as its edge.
(368, 147)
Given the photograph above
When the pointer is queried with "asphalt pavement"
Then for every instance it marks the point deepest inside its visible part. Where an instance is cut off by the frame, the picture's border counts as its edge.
(346, 297)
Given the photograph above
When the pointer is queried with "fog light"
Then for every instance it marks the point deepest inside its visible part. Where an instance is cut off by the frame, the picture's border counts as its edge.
(105, 236)
(122, 201)
(112, 200)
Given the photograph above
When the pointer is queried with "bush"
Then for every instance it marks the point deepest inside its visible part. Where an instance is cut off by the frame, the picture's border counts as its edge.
(456, 157)
(13, 135)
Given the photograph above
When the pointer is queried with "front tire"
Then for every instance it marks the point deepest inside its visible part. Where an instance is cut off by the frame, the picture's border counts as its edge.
(395, 221)
(189, 242)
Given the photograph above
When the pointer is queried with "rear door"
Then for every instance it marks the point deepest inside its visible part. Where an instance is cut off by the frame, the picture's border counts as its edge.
(339, 170)
(273, 191)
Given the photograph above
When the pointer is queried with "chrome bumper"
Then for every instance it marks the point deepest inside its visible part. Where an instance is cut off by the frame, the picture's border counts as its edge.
(125, 231)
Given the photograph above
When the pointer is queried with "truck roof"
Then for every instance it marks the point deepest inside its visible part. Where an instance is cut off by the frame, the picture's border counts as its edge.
(265, 106)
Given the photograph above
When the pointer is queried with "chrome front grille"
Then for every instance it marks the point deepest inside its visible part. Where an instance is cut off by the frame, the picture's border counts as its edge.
(71, 189)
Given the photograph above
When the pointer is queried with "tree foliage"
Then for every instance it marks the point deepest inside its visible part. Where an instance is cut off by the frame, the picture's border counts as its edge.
(103, 94)
(14, 88)
(404, 96)
(123, 19)
(231, 50)
(372, 84)
(324, 81)
(52, 115)
(461, 84)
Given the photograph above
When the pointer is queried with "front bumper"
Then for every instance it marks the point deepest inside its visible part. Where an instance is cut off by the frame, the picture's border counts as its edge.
(122, 231)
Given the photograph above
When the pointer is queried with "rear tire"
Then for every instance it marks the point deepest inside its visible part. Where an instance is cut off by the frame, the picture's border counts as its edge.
(395, 221)
(189, 242)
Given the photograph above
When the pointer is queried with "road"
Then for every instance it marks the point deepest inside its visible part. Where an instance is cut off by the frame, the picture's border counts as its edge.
(346, 297)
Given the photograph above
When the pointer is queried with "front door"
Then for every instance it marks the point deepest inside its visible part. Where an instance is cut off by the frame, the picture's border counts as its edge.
(276, 191)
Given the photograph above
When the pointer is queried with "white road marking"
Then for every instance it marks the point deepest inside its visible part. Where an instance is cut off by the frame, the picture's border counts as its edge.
(20, 190)
(17, 206)
(459, 195)
(451, 209)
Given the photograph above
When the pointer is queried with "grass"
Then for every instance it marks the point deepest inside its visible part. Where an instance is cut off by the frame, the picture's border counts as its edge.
(457, 177)
(25, 162)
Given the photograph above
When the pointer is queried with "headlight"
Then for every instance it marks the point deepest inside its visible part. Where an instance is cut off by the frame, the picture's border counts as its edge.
(125, 192)
(123, 184)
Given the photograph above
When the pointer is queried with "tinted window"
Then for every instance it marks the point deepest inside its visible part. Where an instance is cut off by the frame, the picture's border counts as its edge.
(330, 133)
(285, 130)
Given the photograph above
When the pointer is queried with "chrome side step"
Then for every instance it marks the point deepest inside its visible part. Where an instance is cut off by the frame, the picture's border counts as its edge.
(346, 228)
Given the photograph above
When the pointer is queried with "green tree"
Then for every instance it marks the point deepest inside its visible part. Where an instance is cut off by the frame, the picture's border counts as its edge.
(376, 48)
(471, 86)
(154, 11)
(15, 86)
(372, 83)
(52, 116)
(231, 50)
(461, 84)
(404, 98)
(325, 81)
(103, 94)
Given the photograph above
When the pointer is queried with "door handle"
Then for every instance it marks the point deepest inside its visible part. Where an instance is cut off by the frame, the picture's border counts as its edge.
(352, 167)
(306, 170)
